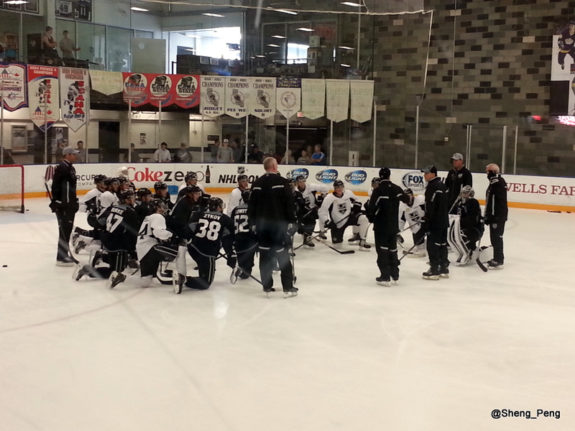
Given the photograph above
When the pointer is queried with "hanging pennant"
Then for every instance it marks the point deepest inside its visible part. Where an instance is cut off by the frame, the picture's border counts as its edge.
(161, 89)
(313, 98)
(212, 95)
(13, 86)
(288, 96)
(187, 90)
(43, 99)
(337, 97)
(264, 100)
(361, 100)
(136, 88)
(238, 96)
(74, 96)
(107, 82)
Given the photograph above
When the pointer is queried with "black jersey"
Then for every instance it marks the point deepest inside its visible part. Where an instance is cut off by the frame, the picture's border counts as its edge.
(121, 228)
(436, 208)
(455, 181)
(165, 199)
(271, 201)
(240, 219)
(383, 207)
(212, 231)
(64, 184)
(496, 200)
(470, 214)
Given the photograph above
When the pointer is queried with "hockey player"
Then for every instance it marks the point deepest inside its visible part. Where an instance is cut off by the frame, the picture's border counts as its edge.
(90, 204)
(339, 210)
(108, 198)
(212, 231)
(470, 223)
(436, 223)
(237, 193)
(566, 44)
(152, 234)
(411, 213)
(162, 193)
(245, 242)
(457, 178)
(143, 200)
(190, 180)
(306, 207)
(124, 173)
(383, 211)
(496, 213)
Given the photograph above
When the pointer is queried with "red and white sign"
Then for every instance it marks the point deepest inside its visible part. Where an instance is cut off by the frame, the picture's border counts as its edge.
(75, 96)
(187, 90)
(161, 90)
(43, 98)
(136, 88)
(13, 86)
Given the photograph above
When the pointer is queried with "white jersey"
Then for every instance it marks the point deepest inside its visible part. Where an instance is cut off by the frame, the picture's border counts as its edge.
(107, 199)
(95, 193)
(202, 188)
(308, 193)
(412, 215)
(152, 231)
(336, 209)
(234, 201)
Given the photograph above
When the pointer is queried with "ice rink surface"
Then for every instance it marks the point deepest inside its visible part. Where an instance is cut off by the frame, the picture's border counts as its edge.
(346, 354)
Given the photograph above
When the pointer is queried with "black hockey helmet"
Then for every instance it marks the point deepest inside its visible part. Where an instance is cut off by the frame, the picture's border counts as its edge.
(242, 177)
(338, 183)
(408, 191)
(191, 176)
(155, 204)
(124, 195)
(160, 185)
(110, 180)
(143, 192)
(384, 173)
(191, 189)
(246, 195)
(300, 178)
(99, 178)
(215, 204)
(374, 181)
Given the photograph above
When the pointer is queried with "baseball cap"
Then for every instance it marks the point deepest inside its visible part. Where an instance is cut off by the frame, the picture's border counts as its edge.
(457, 156)
(431, 169)
(70, 150)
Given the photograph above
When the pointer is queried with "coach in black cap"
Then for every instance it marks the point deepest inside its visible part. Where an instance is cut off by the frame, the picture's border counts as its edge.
(457, 178)
(436, 222)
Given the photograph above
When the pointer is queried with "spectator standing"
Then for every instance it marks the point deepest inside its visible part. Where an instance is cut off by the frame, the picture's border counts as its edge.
(225, 153)
(318, 157)
(162, 154)
(68, 46)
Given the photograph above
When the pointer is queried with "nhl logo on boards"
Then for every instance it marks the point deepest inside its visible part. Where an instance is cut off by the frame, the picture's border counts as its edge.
(326, 176)
(356, 177)
(414, 180)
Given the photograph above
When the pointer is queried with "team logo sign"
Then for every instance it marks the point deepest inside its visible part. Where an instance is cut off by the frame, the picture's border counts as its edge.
(297, 172)
(414, 181)
(160, 86)
(356, 177)
(327, 176)
(136, 88)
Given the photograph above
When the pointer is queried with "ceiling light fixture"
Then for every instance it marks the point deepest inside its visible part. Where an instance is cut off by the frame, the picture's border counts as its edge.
(15, 2)
(345, 65)
(278, 36)
(352, 4)
(305, 29)
(217, 15)
(273, 45)
(349, 48)
(289, 12)
(139, 9)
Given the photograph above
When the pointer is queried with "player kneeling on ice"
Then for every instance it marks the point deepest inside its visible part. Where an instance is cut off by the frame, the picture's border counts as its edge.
(411, 213)
(466, 226)
(339, 210)
(307, 207)
(90, 204)
(153, 245)
(212, 231)
(245, 242)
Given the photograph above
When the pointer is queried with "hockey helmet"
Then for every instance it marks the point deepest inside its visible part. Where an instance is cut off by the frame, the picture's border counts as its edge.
(338, 183)
(160, 185)
(300, 178)
(384, 173)
(110, 180)
(143, 192)
(124, 195)
(123, 171)
(374, 181)
(467, 192)
(191, 176)
(191, 189)
(215, 204)
(157, 204)
(242, 177)
(99, 178)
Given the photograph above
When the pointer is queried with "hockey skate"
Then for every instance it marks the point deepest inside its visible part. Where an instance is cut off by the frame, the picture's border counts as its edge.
(493, 264)
(67, 261)
(363, 245)
(178, 283)
(268, 290)
(383, 281)
(444, 272)
(81, 271)
(322, 235)
(292, 291)
(307, 241)
(80, 245)
(116, 278)
(431, 274)
(354, 238)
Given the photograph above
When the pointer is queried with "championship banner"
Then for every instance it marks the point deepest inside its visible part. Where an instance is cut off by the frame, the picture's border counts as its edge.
(361, 100)
(264, 102)
(107, 82)
(43, 99)
(212, 95)
(288, 96)
(186, 90)
(337, 95)
(136, 88)
(238, 96)
(13, 86)
(75, 96)
(313, 98)
(161, 89)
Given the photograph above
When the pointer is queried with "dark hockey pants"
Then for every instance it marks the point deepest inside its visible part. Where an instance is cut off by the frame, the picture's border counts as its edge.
(437, 249)
(206, 270)
(65, 218)
(387, 261)
(273, 244)
(496, 236)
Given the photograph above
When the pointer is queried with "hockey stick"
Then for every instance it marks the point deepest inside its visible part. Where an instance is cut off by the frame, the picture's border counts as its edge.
(233, 277)
(405, 253)
(318, 239)
(480, 264)
(409, 227)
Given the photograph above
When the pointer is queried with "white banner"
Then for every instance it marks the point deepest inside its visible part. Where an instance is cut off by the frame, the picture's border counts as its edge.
(313, 98)
(288, 96)
(43, 98)
(238, 96)
(337, 95)
(13, 86)
(107, 82)
(264, 101)
(361, 100)
(74, 96)
(212, 95)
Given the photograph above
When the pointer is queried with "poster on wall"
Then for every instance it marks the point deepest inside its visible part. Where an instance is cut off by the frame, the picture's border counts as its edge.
(563, 70)
(361, 100)
(187, 90)
(264, 100)
(13, 86)
(337, 95)
(74, 95)
(136, 88)
(212, 95)
(107, 82)
(80, 10)
(43, 98)
(161, 90)
(238, 96)
(313, 98)
(288, 96)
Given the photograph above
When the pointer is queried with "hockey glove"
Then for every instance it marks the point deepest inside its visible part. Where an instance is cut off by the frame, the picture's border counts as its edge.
(55, 206)
(232, 261)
